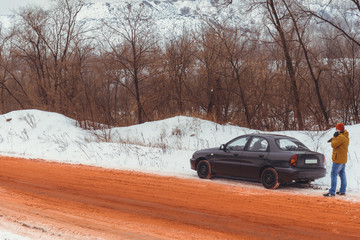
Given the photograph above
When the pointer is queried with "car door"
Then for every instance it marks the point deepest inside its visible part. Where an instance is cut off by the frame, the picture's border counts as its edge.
(228, 160)
(254, 157)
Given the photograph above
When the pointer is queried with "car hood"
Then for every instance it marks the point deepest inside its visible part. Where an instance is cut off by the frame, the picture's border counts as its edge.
(207, 151)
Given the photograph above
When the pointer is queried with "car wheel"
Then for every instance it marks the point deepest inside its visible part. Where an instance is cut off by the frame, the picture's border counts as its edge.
(270, 178)
(204, 169)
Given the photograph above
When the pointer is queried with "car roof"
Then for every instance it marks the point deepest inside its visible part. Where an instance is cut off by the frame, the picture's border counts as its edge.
(269, 135)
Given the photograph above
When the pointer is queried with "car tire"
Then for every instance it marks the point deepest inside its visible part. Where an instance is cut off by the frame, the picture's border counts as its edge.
(204, 169)
(270, 178)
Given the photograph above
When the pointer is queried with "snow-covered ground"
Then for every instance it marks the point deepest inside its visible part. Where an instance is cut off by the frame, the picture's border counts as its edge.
(162, 147)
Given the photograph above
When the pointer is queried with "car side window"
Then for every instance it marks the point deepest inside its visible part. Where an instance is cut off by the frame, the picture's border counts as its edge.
(238, 144)
(258, 144)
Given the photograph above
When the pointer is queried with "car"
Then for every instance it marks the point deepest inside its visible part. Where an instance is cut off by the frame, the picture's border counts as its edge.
(268, 158)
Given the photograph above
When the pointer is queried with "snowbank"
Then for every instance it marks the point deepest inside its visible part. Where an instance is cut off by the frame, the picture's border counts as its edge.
(161, 147)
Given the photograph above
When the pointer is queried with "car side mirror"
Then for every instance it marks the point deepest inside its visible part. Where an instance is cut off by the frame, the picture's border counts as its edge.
(222, 147)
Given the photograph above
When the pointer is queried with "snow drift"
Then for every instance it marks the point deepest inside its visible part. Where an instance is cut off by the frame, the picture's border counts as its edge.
(163, 147)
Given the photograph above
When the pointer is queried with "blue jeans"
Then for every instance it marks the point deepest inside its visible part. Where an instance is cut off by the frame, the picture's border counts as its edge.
(338, 169)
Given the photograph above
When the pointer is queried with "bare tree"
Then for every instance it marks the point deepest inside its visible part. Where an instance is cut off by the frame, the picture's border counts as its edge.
(132, 42)
(345, 21)
(276, 20)
(179, 57)
(346, 72)
(47, 42)
(237, 54)
(315, 76)
(207, 91)
(10, 81)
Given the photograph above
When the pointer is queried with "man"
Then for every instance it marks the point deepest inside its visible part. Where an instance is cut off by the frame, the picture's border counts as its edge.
(339, 143)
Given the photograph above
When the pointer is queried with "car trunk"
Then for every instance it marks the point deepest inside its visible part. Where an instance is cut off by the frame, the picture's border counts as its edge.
(310, 160)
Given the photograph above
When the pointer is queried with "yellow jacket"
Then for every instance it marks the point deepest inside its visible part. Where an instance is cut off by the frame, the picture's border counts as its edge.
(340, 147)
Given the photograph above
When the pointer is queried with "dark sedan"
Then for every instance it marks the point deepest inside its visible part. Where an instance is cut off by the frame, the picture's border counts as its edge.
(272, 159)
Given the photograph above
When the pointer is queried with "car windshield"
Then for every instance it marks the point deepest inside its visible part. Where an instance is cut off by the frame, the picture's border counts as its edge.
(288, 144)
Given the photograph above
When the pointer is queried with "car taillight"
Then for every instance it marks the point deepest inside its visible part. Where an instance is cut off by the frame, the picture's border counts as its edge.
(323, 159)
(293, 160)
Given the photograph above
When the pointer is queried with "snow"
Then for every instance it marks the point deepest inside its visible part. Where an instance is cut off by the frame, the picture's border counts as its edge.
(169, 16)
(162, 147)
(10, 236)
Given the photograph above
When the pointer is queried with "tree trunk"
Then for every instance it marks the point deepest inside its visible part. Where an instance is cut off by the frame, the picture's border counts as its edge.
(289, 65)
(315, 79)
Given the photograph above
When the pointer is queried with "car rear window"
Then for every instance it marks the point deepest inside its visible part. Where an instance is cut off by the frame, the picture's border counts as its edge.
(288, 144)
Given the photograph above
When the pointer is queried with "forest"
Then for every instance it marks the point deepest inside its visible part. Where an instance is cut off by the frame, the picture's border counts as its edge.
(297, 70)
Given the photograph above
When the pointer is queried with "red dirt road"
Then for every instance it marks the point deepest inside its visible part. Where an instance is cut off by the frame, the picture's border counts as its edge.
(61, 201)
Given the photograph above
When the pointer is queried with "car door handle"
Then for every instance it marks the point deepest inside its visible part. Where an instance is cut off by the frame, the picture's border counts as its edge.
(236, 154)
(261, 156)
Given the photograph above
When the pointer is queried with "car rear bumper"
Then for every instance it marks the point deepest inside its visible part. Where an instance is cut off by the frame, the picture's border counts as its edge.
(289, 174)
